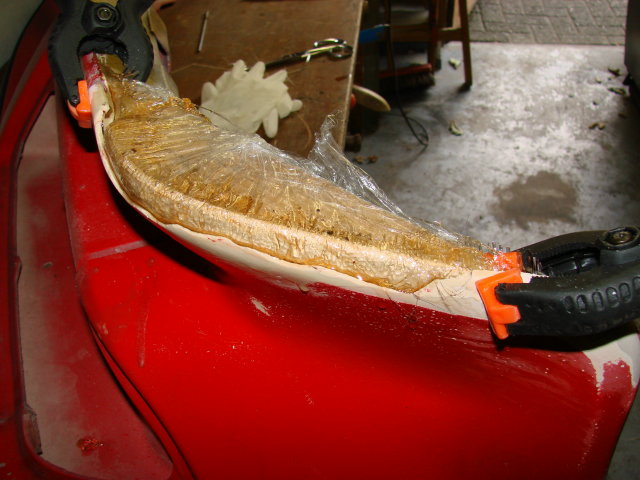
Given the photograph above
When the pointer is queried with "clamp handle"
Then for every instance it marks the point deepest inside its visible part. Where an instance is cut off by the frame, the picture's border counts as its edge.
(112, 27)
(593, 302)
(592, 285)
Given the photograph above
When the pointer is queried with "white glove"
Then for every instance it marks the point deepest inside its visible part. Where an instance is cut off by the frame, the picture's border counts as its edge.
(242, 100)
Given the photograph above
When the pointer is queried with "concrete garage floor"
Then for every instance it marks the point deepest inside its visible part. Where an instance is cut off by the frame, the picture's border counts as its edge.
(530, 164)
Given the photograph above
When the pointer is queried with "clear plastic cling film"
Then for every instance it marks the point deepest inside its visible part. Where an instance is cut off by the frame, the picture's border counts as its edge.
(321, 210)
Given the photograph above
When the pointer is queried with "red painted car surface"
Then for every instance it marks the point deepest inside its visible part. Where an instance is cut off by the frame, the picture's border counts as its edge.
(124, 355)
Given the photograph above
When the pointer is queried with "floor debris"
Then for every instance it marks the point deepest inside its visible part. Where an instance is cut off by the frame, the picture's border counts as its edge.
(454, 129)
(618, 90)
(614, 71)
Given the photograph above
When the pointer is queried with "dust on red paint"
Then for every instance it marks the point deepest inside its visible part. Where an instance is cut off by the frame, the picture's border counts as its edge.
(88, 445)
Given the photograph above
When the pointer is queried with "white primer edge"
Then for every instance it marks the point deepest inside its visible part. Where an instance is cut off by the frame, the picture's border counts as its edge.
(625, 349)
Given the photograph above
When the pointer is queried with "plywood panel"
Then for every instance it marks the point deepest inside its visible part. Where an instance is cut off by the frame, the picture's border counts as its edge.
(267, 30)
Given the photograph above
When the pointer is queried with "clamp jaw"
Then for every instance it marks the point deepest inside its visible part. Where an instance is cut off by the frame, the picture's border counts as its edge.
(591, 284)
(107, 26)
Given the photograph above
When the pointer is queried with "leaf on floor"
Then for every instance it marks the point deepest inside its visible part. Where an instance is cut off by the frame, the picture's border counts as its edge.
(618, 90)
(453, 128)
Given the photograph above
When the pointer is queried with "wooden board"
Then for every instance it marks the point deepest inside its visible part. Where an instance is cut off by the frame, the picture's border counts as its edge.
(267, 30)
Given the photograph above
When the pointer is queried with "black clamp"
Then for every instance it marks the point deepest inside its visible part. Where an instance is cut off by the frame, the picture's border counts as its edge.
(86, 26)
(592, 284)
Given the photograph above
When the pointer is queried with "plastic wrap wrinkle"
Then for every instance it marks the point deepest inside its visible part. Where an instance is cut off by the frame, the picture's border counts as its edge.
(174, 163)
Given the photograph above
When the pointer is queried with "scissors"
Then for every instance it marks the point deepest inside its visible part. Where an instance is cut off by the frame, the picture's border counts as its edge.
(334, 47)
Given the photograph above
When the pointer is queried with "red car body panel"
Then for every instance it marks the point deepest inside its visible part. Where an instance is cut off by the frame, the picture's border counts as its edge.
(215, 373)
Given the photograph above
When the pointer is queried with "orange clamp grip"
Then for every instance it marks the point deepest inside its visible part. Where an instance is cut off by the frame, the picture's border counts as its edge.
(499, 314)
(505, 261)
(82, 111)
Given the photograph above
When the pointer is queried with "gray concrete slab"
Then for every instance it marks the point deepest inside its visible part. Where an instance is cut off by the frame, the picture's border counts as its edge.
(547, 148)
(531, 162)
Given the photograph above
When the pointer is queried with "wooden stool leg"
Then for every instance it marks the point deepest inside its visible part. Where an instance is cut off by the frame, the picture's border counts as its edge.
(388, 36)
(466, 43)
(432, 44)
(440, 18)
